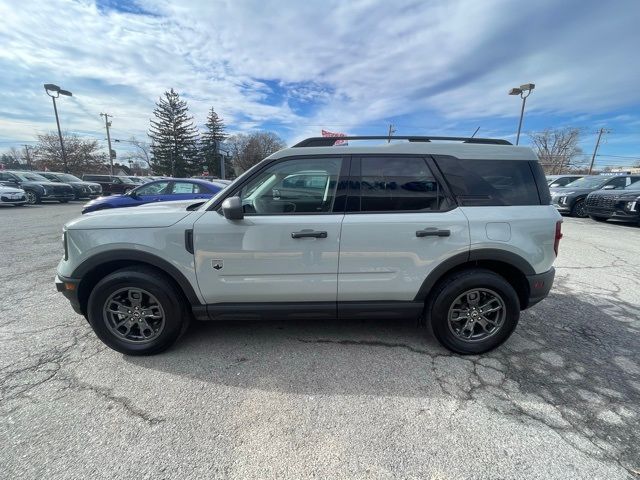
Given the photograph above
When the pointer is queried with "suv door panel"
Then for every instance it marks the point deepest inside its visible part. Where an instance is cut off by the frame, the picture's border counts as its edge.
(274, 254)
(386, 255)
(382, 258)
(259, 261)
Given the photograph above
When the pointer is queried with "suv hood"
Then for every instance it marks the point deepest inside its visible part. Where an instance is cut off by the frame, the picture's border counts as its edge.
(5, 189)
(617, 193)
(564, 190)
(143, 216)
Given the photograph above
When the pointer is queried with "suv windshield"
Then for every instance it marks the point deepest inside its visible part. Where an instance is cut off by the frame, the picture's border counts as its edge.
(30, 177)
(126, 180)
(633, 186)
(588, 182)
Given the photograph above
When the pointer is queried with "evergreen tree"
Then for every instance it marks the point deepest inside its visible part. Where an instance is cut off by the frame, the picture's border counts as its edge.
(213, 136)
(174, 138)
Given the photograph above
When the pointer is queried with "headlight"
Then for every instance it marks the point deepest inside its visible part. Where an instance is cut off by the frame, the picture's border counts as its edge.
(563, 200)
(631, 206)
(45, 191)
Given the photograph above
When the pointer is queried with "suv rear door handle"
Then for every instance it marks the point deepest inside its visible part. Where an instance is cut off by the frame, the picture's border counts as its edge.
(433, 232)
(308, 234)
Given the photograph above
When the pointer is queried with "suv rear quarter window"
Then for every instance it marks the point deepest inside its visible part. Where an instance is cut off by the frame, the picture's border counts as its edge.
(494, 182)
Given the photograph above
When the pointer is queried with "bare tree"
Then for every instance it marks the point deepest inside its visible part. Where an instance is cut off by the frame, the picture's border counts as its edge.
(249, 149)
(83, 155)
(558, 149)
(12, 158)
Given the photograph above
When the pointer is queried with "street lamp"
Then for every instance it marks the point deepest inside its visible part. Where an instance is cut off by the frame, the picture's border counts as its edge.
(524, 91)
(54, 91)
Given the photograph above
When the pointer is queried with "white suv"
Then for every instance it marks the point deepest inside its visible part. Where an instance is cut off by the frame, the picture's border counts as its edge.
(458, 231)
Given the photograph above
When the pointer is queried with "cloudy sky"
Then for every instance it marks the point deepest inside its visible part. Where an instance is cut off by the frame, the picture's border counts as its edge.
(429, 67)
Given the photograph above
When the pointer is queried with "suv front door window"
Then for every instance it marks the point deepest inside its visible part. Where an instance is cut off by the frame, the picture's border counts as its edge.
(293, 187)
(286, 247)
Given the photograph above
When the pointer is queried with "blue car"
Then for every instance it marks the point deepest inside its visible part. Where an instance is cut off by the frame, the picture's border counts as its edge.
(158, 191)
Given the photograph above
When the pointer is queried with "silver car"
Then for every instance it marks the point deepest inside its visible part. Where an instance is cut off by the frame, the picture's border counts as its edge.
(12, 196)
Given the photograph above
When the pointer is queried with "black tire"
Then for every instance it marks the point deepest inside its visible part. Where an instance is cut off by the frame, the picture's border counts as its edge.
(32, 197)
(578, 210)
(598, 219)
(171, 300)
(455, 285)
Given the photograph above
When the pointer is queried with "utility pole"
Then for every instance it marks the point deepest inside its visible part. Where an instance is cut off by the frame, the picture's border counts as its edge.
(391, 132)
(595, 150)
(107, 124)
(27, 155)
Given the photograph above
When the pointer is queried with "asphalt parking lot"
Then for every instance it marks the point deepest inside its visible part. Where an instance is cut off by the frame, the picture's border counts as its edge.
(365, 399)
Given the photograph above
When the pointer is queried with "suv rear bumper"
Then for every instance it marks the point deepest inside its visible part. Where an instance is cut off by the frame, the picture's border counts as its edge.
(69, 288)
(540, 286)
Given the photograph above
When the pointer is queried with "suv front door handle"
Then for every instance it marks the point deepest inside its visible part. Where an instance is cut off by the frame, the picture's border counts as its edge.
(308, 234)
(433, 232)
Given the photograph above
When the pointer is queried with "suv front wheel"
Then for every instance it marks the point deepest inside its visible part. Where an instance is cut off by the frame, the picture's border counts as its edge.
(474, 311)
(137, 311)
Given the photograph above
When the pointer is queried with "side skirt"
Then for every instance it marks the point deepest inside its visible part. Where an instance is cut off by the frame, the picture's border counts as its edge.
(309, 311)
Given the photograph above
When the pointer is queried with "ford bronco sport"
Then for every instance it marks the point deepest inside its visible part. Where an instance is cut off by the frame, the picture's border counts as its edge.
(459, 232)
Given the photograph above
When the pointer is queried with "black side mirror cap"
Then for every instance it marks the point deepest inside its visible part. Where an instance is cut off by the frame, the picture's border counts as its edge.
(232, 208)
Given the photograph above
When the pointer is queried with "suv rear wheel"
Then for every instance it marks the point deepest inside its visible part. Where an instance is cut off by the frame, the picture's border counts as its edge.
(474, 311)
(137, 311)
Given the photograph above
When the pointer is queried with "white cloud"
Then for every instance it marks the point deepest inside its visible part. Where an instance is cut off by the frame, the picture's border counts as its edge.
(353, 63)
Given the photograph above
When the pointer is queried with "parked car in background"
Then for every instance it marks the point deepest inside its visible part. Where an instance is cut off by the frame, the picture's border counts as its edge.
(81, 189)
(111, 184)
(570, 199)
(561, 180)
(602, 205)
(12, 196)
(157, 191)
(36, 187)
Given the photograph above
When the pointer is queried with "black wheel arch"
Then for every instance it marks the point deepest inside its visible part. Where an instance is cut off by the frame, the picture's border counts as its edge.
(509, 265)
(95, 268)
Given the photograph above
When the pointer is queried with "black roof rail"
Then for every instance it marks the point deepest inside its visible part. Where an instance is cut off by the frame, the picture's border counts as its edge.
(329, 141)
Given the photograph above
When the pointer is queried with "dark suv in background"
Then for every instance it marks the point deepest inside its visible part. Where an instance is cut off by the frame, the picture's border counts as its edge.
(624, 204)
(570, 199)
(36, 187)
(81, 189)
(111, 183)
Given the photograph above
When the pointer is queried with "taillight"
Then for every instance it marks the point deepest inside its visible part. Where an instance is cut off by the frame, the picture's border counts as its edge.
(556, 242)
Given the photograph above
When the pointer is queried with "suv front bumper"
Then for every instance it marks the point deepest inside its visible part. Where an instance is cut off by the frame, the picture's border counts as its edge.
(69, 288)
(540, 286)
(58, 196)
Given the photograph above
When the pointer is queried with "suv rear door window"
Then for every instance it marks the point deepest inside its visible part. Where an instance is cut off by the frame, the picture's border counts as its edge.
(490, 182)
(403, 184)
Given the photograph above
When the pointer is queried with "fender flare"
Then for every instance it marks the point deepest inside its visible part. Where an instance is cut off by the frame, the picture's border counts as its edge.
(138, 256)
(503, 256)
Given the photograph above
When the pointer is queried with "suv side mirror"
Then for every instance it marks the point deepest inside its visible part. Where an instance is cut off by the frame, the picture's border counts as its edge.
(232, 208)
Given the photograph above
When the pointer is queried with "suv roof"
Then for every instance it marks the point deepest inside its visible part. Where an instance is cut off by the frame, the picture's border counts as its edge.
(460, 147)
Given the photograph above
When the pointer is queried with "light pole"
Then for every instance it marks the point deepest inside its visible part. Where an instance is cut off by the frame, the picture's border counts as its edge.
(524, 91)
(52, 89)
